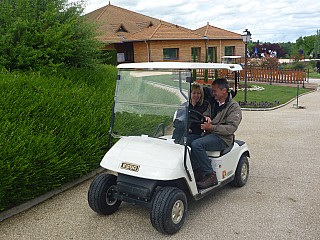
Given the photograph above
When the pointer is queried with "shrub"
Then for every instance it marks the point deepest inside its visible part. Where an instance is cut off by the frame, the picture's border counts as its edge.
(37, 33)
(53, 129)
(109, 57)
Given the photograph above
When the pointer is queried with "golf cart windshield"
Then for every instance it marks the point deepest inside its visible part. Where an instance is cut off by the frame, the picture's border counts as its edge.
(146, 101)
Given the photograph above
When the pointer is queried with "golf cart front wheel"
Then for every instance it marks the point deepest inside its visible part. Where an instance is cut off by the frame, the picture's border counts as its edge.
(102, 194)
(169, 209)
(242, 172)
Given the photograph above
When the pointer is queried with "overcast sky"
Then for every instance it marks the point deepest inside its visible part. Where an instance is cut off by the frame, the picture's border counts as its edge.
(268, 21)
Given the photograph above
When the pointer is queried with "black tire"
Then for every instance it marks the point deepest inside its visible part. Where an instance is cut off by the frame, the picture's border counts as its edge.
(102, 194)
(168, 210)
(242, 172)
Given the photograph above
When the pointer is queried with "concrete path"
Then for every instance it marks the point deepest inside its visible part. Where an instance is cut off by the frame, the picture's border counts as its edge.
(280, 201)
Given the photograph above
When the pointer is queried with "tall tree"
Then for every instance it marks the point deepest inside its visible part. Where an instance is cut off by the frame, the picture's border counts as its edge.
(36, 33)
(317, 44)
(306, 44)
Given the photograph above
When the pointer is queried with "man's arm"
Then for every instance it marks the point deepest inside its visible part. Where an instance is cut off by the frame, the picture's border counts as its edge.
(230, 122)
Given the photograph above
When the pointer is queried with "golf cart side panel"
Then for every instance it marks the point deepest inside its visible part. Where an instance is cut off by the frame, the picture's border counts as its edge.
(225, 166)
(145, 157)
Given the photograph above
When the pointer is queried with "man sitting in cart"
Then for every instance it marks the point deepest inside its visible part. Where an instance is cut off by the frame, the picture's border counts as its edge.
(219, 132)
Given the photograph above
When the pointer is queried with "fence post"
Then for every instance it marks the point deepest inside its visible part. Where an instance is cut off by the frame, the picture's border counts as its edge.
(297, 104)
(270, 76)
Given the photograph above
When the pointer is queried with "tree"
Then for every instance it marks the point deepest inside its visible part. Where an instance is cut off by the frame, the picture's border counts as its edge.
(37, 33)
(266, 47)
(288, 49)
(306, 44)
(317, 44)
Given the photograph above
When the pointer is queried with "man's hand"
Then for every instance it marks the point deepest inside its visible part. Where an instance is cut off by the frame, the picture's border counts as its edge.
(207, 126)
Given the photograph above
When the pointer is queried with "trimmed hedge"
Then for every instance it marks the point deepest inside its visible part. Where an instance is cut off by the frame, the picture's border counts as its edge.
(109, 57)
(53, 129)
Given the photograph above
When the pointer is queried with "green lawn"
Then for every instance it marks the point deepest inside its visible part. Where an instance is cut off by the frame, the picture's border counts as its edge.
(314, 75)
(273, 94)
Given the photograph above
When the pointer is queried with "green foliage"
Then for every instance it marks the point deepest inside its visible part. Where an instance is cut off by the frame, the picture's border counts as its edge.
(205, 77)
(299, 65)
(316, 50)
(53, 129)
(37, 33)
(109, 57)
(288, 49)
(309, 45)
(306, 44)
(137, 126)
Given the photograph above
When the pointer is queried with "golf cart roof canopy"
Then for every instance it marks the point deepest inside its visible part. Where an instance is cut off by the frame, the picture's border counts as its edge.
(232, 57)
(179, 66)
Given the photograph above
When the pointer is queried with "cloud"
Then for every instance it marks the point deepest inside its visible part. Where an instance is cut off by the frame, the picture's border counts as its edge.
(272, 21)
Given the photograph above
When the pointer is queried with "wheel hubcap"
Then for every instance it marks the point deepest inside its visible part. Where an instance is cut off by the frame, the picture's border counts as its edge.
(177, 211)
(111, 195)
(244, 172)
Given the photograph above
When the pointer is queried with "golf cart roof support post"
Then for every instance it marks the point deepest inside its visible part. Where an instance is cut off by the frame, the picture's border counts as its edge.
(180, 87)
(236, 79)
(185, 162)
(186, 137)
(111, 125)
(112, 113)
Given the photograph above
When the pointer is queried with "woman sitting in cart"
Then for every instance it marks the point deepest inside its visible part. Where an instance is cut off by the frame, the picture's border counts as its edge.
(196, 103)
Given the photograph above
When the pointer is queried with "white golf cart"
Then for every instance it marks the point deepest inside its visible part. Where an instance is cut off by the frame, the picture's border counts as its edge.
(144, 165)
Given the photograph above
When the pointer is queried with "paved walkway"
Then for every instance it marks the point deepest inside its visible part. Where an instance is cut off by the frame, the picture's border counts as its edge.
(280, 200)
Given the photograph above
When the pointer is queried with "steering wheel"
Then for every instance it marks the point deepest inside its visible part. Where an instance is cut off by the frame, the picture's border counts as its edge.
(196, 117)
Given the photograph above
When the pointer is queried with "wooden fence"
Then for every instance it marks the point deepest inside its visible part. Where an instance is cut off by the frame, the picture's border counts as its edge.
(270, 75)
(274, 75)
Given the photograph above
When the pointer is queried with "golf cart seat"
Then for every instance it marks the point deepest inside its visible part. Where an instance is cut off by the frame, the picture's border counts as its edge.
(215, 154)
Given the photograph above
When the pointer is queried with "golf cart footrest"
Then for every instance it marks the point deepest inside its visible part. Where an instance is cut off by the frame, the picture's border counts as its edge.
(134, 186)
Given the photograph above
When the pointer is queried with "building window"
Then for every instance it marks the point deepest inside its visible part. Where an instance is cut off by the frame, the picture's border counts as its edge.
(195, 54)
(229, 50)
(171, 53)
(212, 54)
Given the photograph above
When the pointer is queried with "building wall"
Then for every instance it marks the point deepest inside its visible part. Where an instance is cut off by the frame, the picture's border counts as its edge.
(140, 50)
(155, 49)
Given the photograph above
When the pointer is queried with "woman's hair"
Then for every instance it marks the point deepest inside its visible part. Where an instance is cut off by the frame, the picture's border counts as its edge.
(196, 86)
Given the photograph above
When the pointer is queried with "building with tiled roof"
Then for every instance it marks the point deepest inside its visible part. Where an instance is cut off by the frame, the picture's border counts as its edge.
(140, 38)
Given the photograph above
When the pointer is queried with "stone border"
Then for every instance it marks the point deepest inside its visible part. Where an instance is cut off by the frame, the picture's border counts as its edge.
(27, 205)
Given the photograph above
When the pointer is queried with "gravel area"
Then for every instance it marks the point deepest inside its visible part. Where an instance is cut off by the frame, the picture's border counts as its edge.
(279, 201)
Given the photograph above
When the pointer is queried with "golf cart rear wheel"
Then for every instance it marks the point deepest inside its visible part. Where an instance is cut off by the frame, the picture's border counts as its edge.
(102, 194)
(242, 172)
(169, 209)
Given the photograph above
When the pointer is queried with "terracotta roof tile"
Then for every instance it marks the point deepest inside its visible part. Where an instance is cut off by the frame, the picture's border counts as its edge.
(217, 33)
(117, 24)
(163, 32)
(109, 18)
